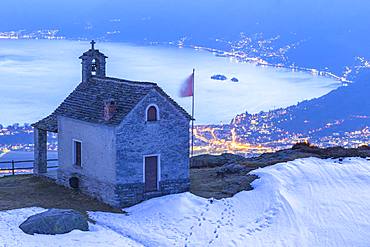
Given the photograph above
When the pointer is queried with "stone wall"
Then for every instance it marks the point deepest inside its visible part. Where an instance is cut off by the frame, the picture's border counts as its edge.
(103, 191)
(97, 146)
(131, 194)
(97, 173)
(168, 137)
(113, 158)
(174, 186)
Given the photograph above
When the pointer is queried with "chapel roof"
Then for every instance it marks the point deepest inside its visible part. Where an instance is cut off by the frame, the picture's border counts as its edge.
(86, 102)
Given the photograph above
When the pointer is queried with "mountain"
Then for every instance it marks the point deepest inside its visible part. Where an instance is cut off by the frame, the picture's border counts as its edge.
(344, 110)
(340, 118)
(347, 108)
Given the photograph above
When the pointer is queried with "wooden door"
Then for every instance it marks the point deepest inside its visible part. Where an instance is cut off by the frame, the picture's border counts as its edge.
(151, 173)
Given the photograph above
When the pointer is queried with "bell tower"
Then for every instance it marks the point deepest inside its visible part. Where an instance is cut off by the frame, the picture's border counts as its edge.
(93, 63)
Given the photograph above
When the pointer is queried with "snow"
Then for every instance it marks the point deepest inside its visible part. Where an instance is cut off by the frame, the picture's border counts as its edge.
(12, 236)
(306, 202)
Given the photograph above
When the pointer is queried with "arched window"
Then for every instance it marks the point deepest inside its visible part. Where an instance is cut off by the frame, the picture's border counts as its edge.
(152, 113)
(94, 66)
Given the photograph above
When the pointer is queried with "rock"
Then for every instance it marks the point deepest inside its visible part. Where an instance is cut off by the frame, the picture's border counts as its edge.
(219, 77)
(302, 145)
(55, 221)
(209, 161)
(230, 168)
(298, 151)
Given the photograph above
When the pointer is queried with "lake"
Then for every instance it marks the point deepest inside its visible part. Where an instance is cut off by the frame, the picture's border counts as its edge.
(36, 75)
(23, 156)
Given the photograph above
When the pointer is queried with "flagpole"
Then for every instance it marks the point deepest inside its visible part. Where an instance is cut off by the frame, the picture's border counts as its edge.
(192, 118)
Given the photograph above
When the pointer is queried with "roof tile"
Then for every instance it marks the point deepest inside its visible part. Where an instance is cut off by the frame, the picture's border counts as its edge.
(86, 102)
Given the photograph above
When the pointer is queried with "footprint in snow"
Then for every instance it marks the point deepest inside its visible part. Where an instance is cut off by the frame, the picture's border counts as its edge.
(262, 222)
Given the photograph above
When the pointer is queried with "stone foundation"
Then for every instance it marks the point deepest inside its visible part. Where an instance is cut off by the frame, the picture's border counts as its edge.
(102, 191)
(174, 186)
(131, 194)
(121, 195)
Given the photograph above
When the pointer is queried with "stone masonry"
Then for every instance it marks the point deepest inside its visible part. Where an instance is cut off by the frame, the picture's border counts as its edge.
(112, 150)
(40, 151)
(167, 137)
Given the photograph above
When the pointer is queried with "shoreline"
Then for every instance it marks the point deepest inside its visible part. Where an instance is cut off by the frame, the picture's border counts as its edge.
(288, 88)
(4, 151)
(216, 52)
(260, 62)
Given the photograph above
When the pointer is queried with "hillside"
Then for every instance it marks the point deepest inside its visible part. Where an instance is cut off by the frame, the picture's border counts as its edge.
(347, 108)
(220, 176)
(342, 117)
(306, 202)
(339, 118)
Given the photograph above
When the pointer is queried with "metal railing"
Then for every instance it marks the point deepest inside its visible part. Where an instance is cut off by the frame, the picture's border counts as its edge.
(23, 170)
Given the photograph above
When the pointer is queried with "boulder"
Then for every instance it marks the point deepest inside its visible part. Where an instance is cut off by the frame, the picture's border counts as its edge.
(230, 168)
(211, 161)
(55, 221)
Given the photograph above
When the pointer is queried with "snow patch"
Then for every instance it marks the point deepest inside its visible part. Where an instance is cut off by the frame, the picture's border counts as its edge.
(306, 202)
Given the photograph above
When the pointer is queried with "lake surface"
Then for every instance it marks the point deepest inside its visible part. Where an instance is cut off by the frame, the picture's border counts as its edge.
(36, 75)
(23, 156)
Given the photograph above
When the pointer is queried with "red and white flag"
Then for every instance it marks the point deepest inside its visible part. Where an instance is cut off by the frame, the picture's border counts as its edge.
(187, 87)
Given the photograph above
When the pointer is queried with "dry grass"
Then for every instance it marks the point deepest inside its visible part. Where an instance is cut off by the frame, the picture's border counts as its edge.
(23, 191)
(28, 191)
(206, 182)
